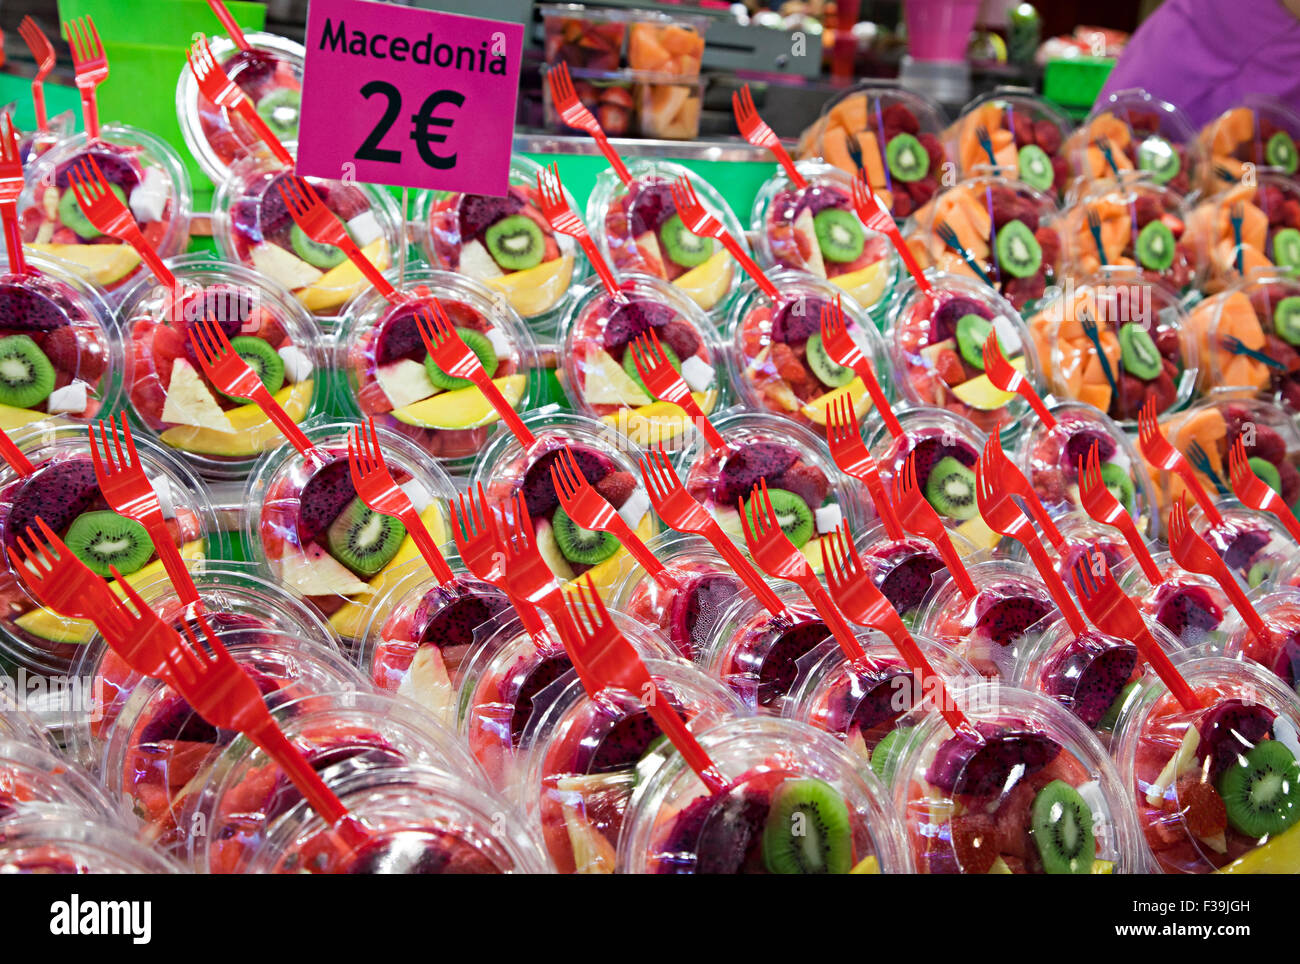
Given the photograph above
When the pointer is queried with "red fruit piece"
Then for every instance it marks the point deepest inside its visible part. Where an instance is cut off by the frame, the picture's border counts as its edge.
(934, 148)
(1268, 445)
(1291, 213)
(617, 488)
(806, 481)
(1048, 136)
(788, 366)
(1050, 242)
(1006, 207)
(948, 366)
(1060, 172)
(903, 205)
(1202, 807)
(1146, 209)
(1164, 390)
(1290, 477)
(1021, 291)
(1023, 128)
(896, 118)
(681, 338)
(921, 191)
(974, 840)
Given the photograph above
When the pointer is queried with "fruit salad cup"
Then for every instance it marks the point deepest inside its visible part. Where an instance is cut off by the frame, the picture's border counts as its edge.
(896, 136)
(60, 354)
(1248, 230)
(1008, 229)
(778, 362)
(35, 780)
(32, 144)
(64, 493)
(608, 94)
(584, 758)
(906, 570)
(599, 374)
(54, 844)
(1262, 131)
(1027, 135)
(1255, 545)
(503, 242)
(145, 173)
(219, 435)
(583, 37)
(816, 229)
(1085, 536)
(269, 74)
(1144, 136)
(1031, 791)
(775, 769)
(1279, 650)
(1189, 605)
(1262, 314)
(310, 531)
(1215, 788)
(936, 344)
(252, 227)
(667, 43)
(639, 230)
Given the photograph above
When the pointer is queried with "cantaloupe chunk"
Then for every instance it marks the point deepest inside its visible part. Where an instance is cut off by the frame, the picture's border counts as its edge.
(1109, 126)
(1004, 149)
(872, 160)
(1098, 396)
(850, 113)
(1230, 129)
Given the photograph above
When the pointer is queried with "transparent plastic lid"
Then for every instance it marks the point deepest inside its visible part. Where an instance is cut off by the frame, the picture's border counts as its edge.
(1247, 340)
(54, 844)
(1132, 132)
(1249, 230)
(1260, 133)
(1279, 649)
(1027, 134)
(35, 780)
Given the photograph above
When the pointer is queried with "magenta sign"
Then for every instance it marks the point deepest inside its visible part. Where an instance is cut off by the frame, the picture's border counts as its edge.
(415, 98)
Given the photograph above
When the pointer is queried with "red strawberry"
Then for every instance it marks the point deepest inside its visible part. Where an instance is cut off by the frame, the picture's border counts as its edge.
(806, 481)
(1268, 444)
(680, 337)
(1291, 213)
(974, 839)
(922, 191)
(902, 204)
(793, 371)
(1021, 291)
(1290, 477)
(1164, 390)
(1050, 242)
(934, 148)
(1022, 127)
(1060, 172)
(1146, 209)
(617, 488)
(896, 118)
(1048, 136)
(1202, 807)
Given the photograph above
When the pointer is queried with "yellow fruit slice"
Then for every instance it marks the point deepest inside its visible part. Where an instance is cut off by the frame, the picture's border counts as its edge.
(461, 408)
(60, 629)
(14, 418)
(1281, 855)
(707, 283)
(999, 867)
(815, 411)
(608, 574)
(812, 551)
(864, 286)
(342, 282)
(981, 393)
(253, 432)
(978, 533)
(867, 865)
(535, 291)
(1103, 867)
(657, 422)
(103, 264)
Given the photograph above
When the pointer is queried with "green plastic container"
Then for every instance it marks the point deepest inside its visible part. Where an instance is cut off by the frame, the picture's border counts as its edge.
(1074, 84)
(171, 23)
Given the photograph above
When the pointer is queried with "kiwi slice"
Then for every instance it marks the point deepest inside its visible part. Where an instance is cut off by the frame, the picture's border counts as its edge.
(262, 359)
(808, 830)
(1261, 790)
(885, 757)
(364, 540)
(1119, 483)
(1061, 825)
(1138, 353)
(1281, 152)
(586, 547)
(972, 333)
(1111, 716)
(279, 108)
(516, 243)
(839, 235)
(686, 249)
(1155, 246)
(907, 159)
(1035, 167)
(792, 513)
(478, 343)
(101, 539)
(26, 375)
(951, 489)
(1260, 573)
(1159, 158)
(828, 372)
(629, 366)
(1019, 253)
(75, 220)
(322, 256)
(1267, 472)
(1286, 319)
(1286, 248)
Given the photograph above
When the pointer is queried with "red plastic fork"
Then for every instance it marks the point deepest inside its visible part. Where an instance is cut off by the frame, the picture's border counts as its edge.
(878, 219)
(525, 572)
(609, 660)
(1006, 478)
(844, 351)
(1194, 554)
(43, 53)
(13, 455)
(127, 490)
(851, 455)
(232, 375)
(106, 212)
(1100, 504)
(456, 358)
(919, 517)
(575, 114)
(755, 130)
(225, 93)
(91, 67)
(860, 599)
(324, 227)
(1255, 492)
(1157, 450)
(1115, 613)
(777, 556)
(676, 507)
(666, 383)
(1010, 379)
(555, 208)
(379, 491)
(228, 21)
(700, 222)
(11, 186)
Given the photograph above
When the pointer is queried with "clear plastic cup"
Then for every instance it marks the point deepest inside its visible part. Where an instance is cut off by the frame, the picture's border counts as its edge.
(906, 570)
(1189, 605)
(610, 95)
(220, 436)
(583, 37)
(1085, 536)
(35, 780)
(32, 144)
(55, 844)
(300, 514)
(1254, 545)
(1265, 241)
(391, 378)
(1032, 781)
(1191, 775)
(270, 76)
(1028, 136)
(505, 468)
(793, 233)
(639, 230)
(1261, 130)
(252, 227)
(17, 724)
(1279, 651)
(62, 491)
(147, 174)
(776, 769)
(479, 237)
(935, 345)
(1145, 136)
(669, 43)
(584, 757)
(597, 370)
(772, 364)
(61, 326)
(1257, 314)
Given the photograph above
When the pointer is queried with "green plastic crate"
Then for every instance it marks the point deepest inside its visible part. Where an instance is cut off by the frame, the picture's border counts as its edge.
(1074, 83)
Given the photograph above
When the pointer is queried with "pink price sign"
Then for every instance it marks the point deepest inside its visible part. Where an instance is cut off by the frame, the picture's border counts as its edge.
(414, 98)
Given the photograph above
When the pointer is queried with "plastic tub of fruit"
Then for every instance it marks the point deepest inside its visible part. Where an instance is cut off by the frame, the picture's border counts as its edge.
(1027, 134)
(606, 93)
(53, 844)
(270, 76)
(1249, 338)
(1261, 131)
(584, 38)
(598, 371)
(1254, 545)
(391, 377)
(1132, 131)
(144, 172)
(664, 43)
(1189, 605)
(503, 242)
(1249, 229)
(35, 780)
(816, 229)
(906, 570)
(252, 227)
(668, 106)
(1278, 650)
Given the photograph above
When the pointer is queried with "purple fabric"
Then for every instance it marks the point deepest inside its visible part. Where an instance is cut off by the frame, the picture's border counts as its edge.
(1205, 55)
